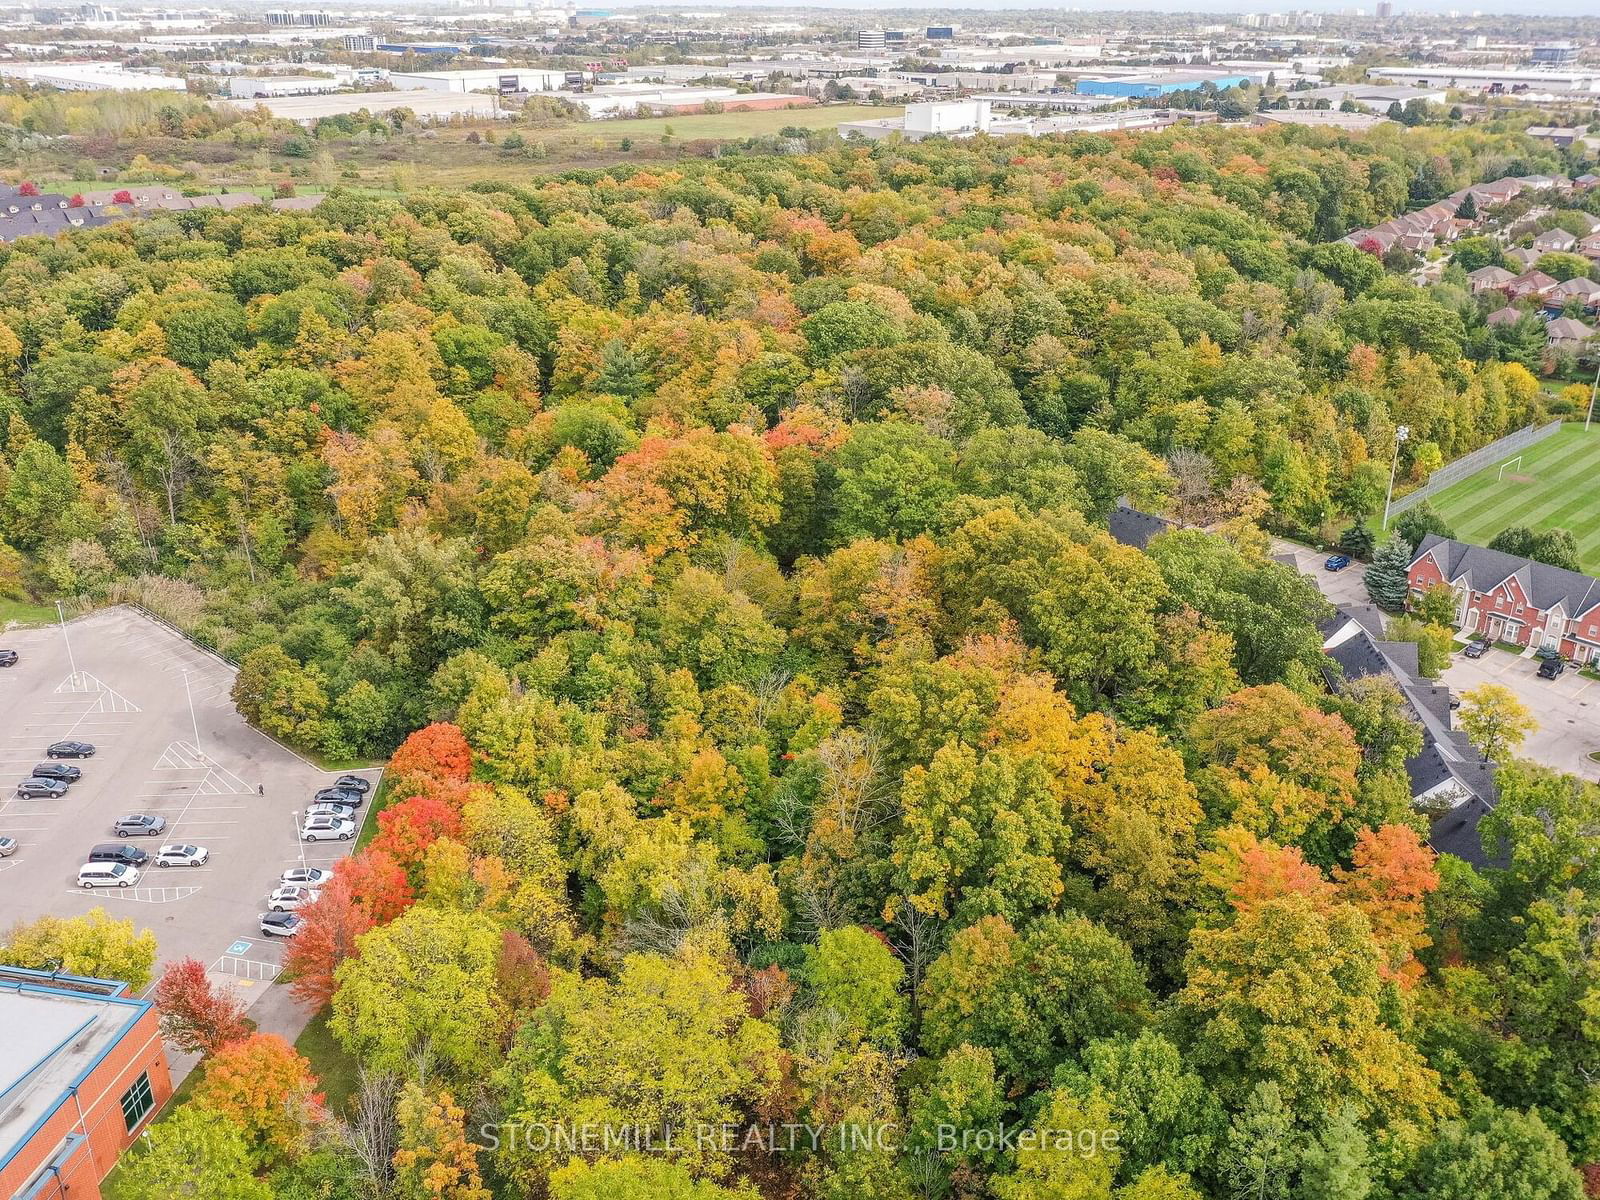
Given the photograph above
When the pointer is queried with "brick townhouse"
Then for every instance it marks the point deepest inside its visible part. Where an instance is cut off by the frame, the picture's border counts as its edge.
(1513, 599)
(82, 1071)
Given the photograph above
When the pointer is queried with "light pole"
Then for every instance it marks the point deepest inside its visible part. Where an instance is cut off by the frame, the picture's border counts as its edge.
(194, 722)
(1401, 433)
(1593, 388)
(71, 661)
(298, 840)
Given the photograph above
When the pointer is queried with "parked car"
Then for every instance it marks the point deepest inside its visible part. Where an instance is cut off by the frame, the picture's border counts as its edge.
(8, 846)
(327, 829)
(289, 897)
(62, 772)
(8, 658)
(281, 924)
(107, 874)
(70, 750)
(307, 876)
(1477, 647)
(117, 852)
(182, 856)
(139, 825)
(41, 789)
(343, 811)
(1337, 562)
(353, 783)
(1551, 667)
(348, 797)
(1545, 653)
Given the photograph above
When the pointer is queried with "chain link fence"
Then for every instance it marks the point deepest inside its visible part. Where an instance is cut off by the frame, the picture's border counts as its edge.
(1470, 464)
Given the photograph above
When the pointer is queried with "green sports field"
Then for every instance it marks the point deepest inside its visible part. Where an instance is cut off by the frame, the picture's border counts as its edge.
(1555, 486)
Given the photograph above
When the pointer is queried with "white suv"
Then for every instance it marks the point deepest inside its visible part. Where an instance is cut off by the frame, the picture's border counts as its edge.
(327, 829)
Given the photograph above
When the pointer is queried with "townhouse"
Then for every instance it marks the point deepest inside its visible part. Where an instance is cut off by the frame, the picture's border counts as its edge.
(1511, 599)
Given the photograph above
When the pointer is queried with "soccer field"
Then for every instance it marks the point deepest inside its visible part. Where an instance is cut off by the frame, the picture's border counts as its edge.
(1555, 486)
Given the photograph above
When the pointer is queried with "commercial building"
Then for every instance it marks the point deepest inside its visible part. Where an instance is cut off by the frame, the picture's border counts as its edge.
(1374, 97)
(425, 105)
(1156, 84)
(966, 118)
(1313, 118)
(82, 1071)
(360, 43)
(1490, 78)
(494, 79)
(92, 77)
(245, 86)
(1555, 54)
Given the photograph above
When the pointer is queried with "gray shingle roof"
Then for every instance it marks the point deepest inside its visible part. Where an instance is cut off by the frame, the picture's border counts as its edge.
(1483, 569)
(1134, 528)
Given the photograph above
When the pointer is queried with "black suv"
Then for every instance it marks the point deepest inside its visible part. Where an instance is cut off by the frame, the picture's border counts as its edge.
(1551, 667)
(60, 772)
(112, 852)
(8, 658)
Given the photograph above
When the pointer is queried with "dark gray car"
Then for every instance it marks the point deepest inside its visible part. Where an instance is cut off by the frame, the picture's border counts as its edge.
(34, 788)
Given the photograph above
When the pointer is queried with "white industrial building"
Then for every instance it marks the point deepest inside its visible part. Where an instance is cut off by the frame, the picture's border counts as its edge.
(1487, 78)
(92, 77)
(494, 79)
(247, 86)
(428, 106)
(625, 99)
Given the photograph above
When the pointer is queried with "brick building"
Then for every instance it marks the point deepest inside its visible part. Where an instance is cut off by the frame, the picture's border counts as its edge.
(82, 1071)
(1511, 599)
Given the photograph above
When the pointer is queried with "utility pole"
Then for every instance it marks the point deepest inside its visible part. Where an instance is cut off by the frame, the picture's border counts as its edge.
(1401, 433)
(298, 840)
(72, 662)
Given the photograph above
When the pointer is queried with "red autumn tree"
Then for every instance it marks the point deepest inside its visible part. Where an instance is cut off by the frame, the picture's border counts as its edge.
(28, 188)
(264, 1086)
(521, 975)
(1391, 874)
(122, 196)
(333, 922)
(76, 200)
(407, 829)
(378, 884)
(434, 752)
(196, 1017)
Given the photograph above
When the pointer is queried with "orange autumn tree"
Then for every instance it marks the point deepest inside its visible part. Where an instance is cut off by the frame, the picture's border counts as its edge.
(333, 923)
(266, 1088)
(435, 753)
(1391, 874)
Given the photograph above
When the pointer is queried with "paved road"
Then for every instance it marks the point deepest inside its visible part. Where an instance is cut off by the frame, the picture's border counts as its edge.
(126, 687)
(1567, 709)
(1340, 587)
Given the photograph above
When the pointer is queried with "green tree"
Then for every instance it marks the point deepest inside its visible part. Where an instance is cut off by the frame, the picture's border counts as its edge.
(421, 989)
(1496, 1152)
(94, 945)
(637, 1177)
(894, 480)
(855, 975)
(1388, 578)
(194, 1152)
(1336, 1163)
(1263, 1147)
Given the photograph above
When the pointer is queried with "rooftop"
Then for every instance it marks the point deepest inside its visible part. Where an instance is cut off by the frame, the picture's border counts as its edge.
(53, 1032)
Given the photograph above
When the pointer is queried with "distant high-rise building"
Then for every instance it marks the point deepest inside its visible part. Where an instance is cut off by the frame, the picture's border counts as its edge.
(940, 33)
(286, 17)
(1385, 10)
(869, 39)
(1251, 20)
(360, 43)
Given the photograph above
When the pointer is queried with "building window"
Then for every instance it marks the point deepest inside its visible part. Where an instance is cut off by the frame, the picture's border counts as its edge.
(1519, 610)
(137, 1101)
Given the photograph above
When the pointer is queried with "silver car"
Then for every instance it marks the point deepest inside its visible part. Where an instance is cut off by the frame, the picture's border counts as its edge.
(306, 876)
(289, 897)
(327, 829)
(139, 825)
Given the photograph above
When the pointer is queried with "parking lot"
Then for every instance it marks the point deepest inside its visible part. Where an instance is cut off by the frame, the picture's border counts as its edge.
(1340, 587)
(126, 685)
(1567, 708)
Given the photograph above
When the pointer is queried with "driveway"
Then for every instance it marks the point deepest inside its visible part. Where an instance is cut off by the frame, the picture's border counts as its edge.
(1567, 709)
(1340, 587)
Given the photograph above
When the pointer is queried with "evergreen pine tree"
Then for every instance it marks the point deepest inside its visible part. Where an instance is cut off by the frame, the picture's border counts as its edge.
(1335, 1165)
(1388, 578)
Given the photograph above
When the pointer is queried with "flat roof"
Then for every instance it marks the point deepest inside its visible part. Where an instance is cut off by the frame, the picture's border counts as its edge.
(424, 102)
(51, 1038)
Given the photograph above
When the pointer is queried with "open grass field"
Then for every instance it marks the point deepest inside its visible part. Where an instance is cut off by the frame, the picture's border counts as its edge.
(1555, 486)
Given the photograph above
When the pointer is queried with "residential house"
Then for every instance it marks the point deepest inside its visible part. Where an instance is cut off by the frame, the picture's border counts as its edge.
(1505, 316)
(1530, 283)
(1447, 776)
(1554, 240)
(1134, 528)
(1584, 183)
(1589, 247)
(1521, 256)
(1540, 183)
(1511, 599)
(1568, 334)
(1580, 288)
(1486, 279)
